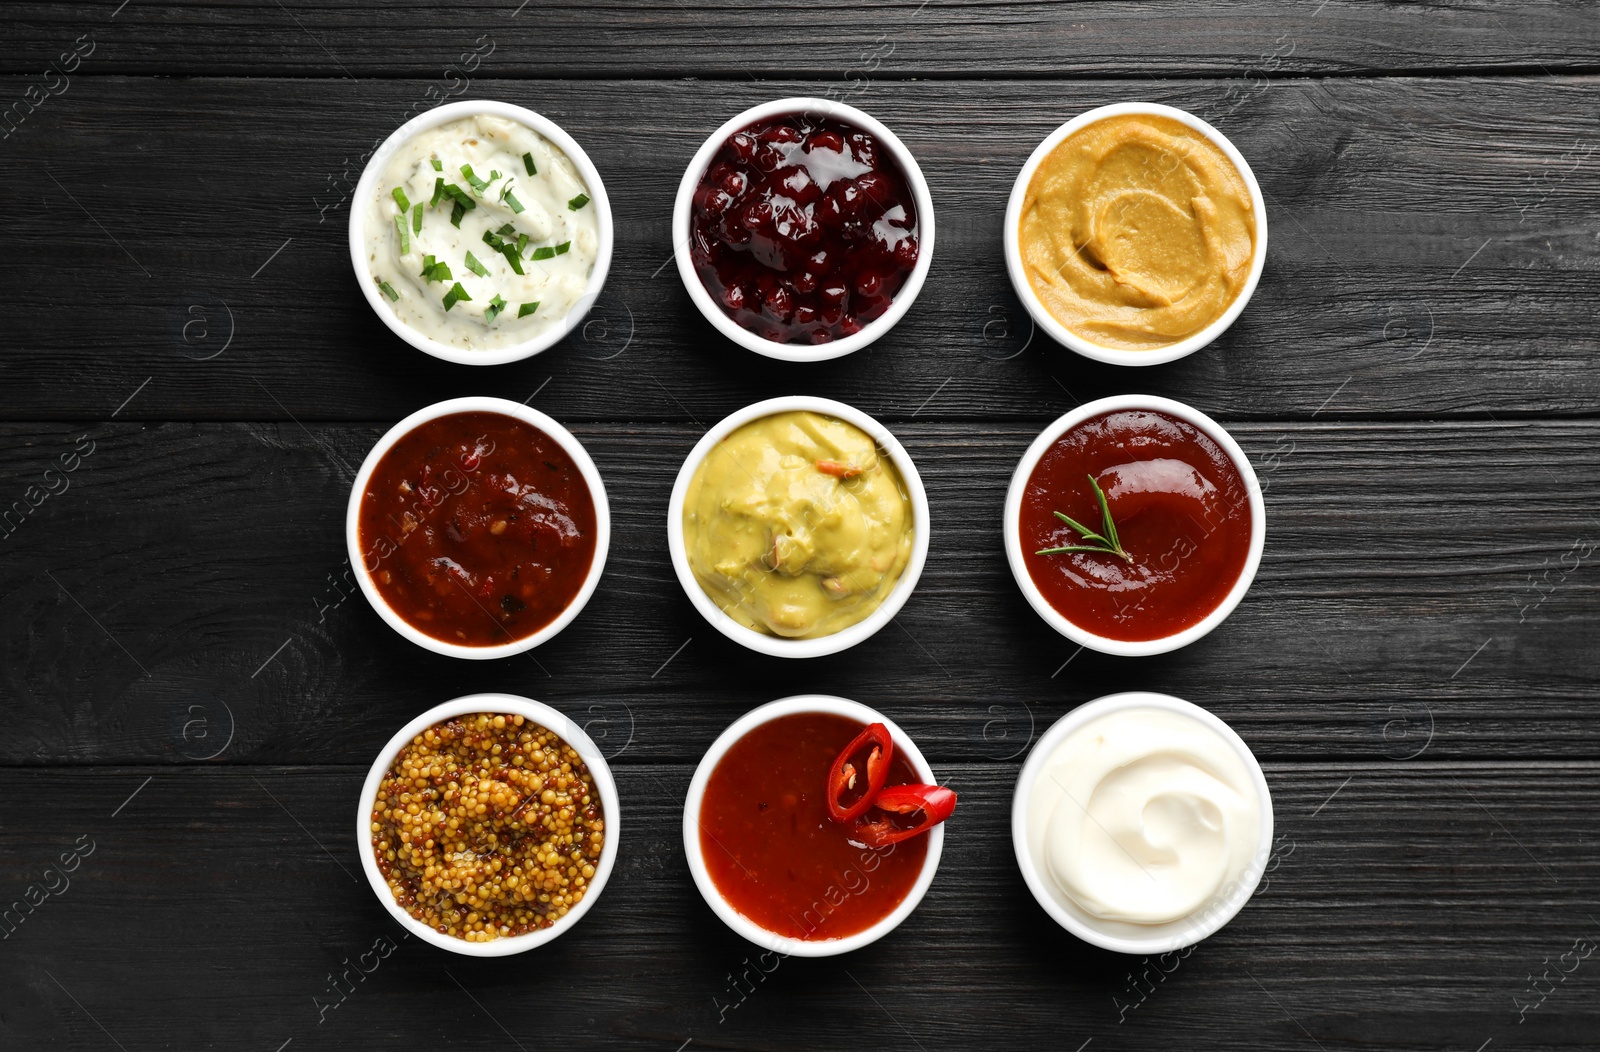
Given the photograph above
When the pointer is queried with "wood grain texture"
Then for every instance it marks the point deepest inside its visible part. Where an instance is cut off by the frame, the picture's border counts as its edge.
(1430, 253)
(1425, 588)
(777, 38)
(1405, 905)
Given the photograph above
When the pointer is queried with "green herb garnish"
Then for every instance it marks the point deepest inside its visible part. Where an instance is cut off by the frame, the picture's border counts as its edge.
(400, 231)
(416, 219)
(456, 212)
(509, 199)
(438, 190)
(400, 199)
(522, 243)
(433, 270)
(527, 162)
(479, 185)
(1103, 543)
(438, 165)
(476, 267)
(492, 311)
(578, 202)
(461, 197)
(505, 248)
(388, 290)
(550, 251)
(527, 309)
(456, 295)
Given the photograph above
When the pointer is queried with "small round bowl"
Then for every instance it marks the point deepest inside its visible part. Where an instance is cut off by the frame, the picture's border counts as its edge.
(782, 944)
(444, 115)
(798, 352)
(1160, 937)
(479, 404)
(1114, 355)
(778, 646)
(543, 715)
(1013, 532)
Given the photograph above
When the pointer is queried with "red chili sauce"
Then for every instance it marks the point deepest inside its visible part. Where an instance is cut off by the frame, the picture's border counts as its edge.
(771, 848)
(1181, 511)
(477, 529)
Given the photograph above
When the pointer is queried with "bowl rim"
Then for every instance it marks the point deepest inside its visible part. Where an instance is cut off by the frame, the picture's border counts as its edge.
(597, 195)
(1176, 934)
(898, 306)
(528, 415)
(1114, 355)
(845, 638)
(1012, 529)
(695, 797)
(547, 717)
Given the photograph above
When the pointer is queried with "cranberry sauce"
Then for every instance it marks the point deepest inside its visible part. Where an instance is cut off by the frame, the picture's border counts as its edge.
(803, 228)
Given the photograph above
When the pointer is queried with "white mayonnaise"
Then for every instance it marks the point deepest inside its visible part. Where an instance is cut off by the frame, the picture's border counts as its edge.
(1146, 816)
(487, 145)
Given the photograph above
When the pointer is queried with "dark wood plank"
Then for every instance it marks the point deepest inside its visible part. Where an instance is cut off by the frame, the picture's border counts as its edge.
(1424, 587)
(774, 38)
(1406, 905)
(1430, 253)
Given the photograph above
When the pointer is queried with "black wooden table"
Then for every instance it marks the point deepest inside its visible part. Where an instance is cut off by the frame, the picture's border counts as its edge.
(193, 692)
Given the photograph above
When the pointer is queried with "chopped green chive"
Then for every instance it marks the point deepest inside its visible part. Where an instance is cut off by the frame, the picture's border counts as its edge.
(506, 228)
(527, 309)
(438, 165)
(461, 197)
(433, 270)
(512, 258)
(578, 202)
(522, 243)
(479, 185)
(400, 231)
(476, 267)
(492, 311)
(456, 295)
(456, 213)
(511, 202)
(527, 162)
(388, 290)
(416, 219)
(438, 190)
(550, 251)
(400, 199)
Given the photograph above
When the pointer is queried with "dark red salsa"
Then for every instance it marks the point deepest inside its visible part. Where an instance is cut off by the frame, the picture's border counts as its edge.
(1181, 511)
(477, 528)
(771, 848)
(803, 228)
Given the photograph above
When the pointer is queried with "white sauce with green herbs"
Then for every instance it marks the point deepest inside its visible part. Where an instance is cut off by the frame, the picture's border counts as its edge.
(557, 227)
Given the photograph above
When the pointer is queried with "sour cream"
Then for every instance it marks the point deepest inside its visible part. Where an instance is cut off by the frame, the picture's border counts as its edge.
(547, 210)
(1148, 816)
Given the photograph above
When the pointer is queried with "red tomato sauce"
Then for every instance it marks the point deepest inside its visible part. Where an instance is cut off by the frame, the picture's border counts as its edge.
(477, 528)
(1181, 511)
(771, 848)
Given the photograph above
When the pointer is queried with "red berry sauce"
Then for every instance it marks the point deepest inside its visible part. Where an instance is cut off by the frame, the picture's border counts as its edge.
(803, 229)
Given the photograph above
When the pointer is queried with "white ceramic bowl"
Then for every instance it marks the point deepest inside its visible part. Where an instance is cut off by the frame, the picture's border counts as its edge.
(477, 404)
(1011, 525)
(803, 352)
(368, 185)
(778, 646)
(546, 717)
(1159, 938)
(1113, 355)
(697, 863)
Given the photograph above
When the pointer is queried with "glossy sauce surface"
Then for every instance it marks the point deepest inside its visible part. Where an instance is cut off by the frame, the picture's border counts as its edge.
(803, 229)
(477, 528)
(1181, 511)
(771, 848)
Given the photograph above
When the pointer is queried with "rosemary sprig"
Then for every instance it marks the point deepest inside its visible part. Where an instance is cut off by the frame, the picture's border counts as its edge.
(1105, 542)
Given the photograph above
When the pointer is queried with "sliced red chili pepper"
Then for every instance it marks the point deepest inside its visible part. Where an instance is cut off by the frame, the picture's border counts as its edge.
(864, 760)
(896, 806)
(838, 470)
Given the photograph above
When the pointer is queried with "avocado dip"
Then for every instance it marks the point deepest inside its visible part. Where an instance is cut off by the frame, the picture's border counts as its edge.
(797, 525)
